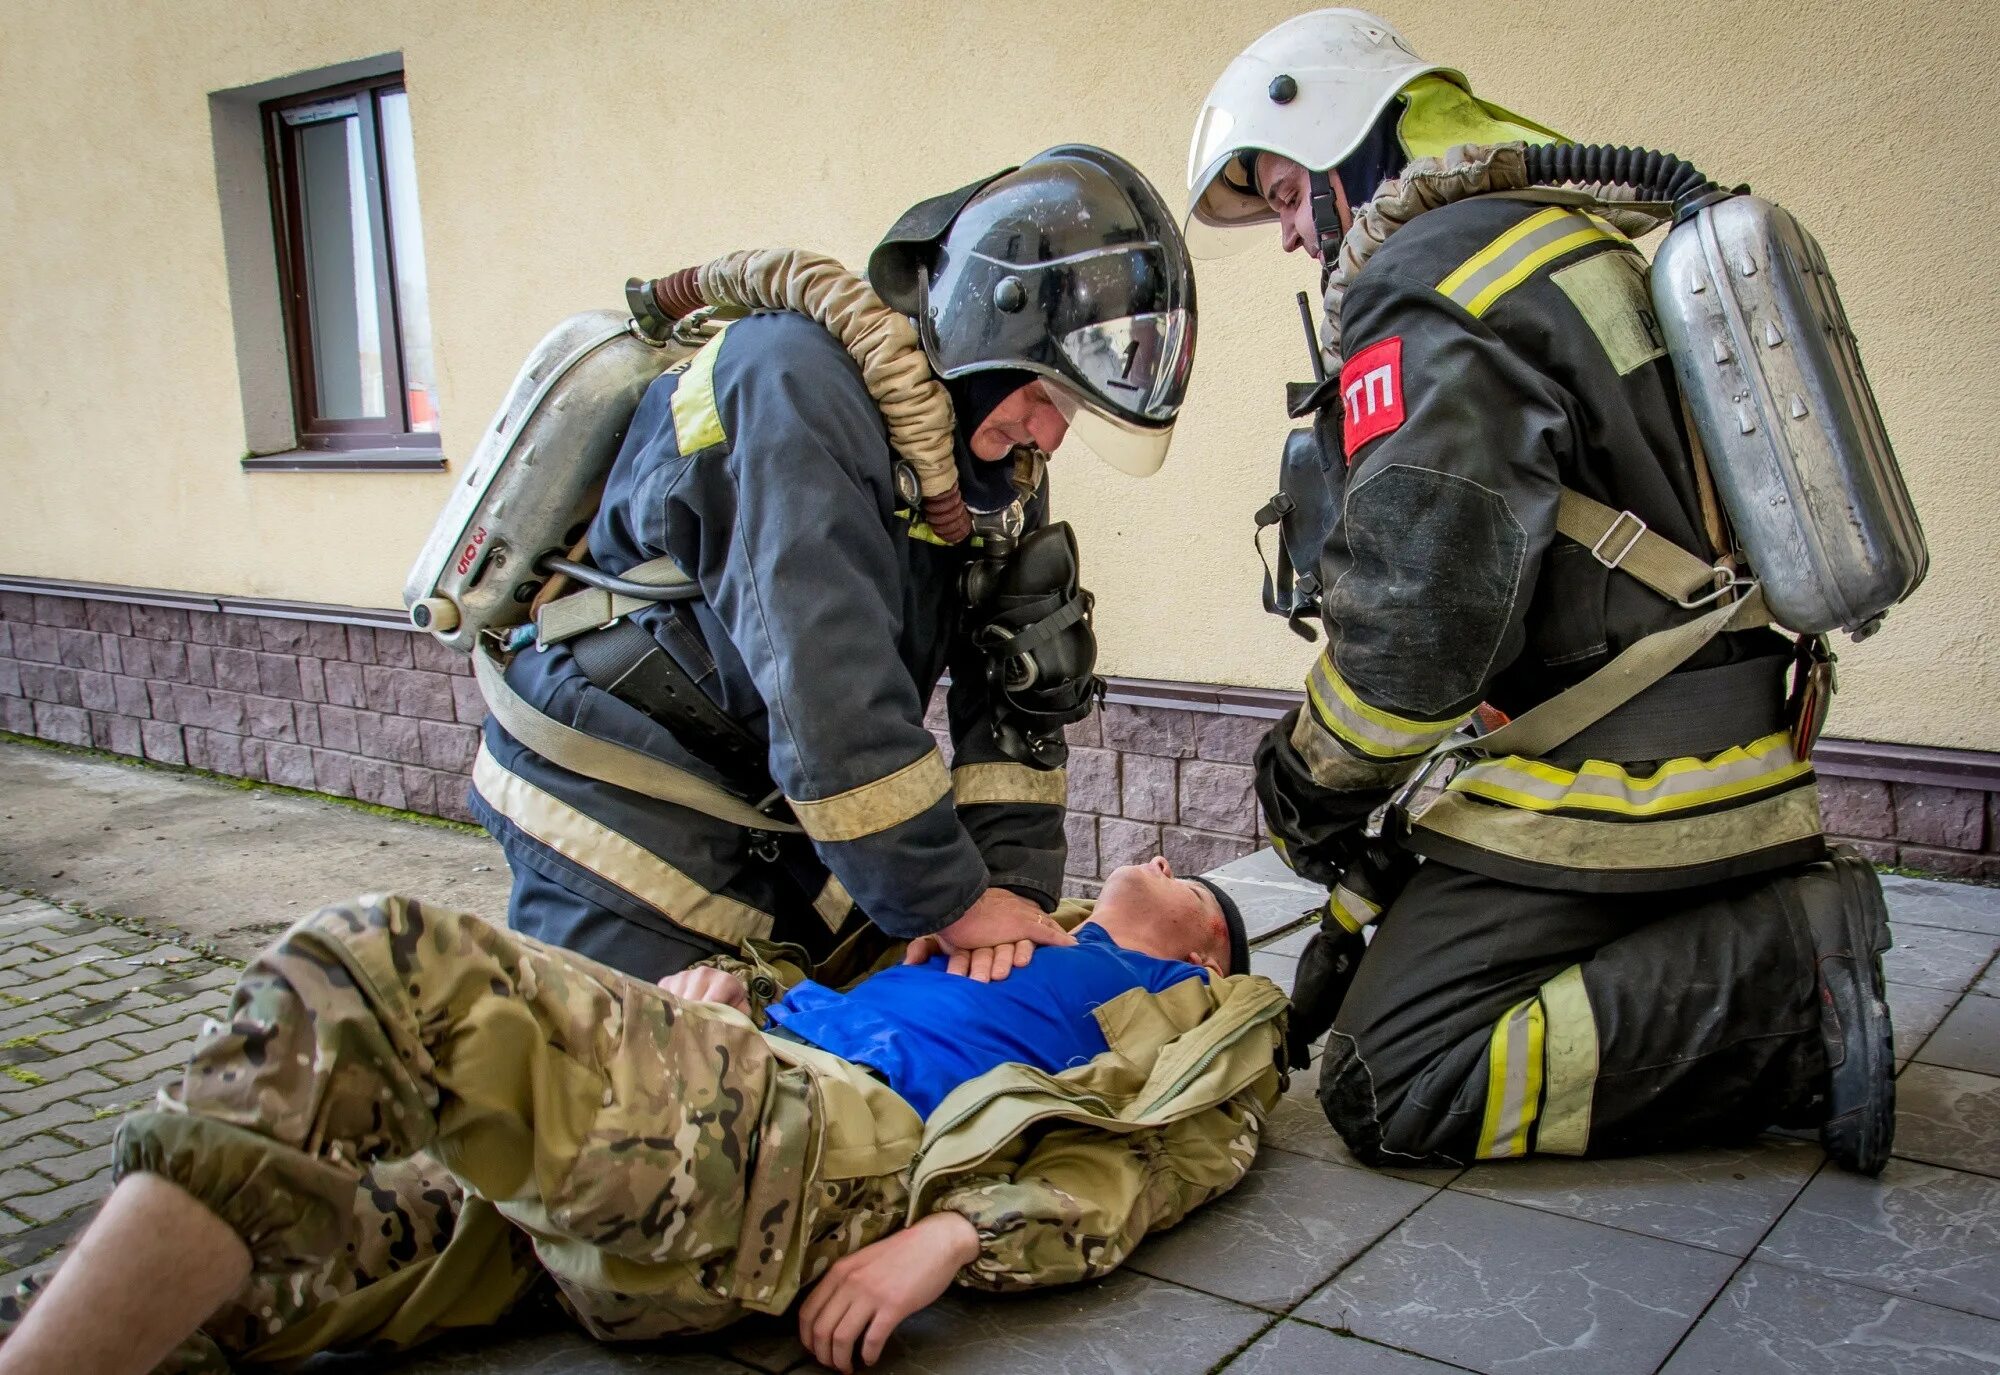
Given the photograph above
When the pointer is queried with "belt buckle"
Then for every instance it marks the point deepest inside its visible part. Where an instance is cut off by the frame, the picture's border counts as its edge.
(1638, 533)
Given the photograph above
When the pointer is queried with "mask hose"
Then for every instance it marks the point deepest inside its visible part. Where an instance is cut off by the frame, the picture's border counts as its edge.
(1651, 174)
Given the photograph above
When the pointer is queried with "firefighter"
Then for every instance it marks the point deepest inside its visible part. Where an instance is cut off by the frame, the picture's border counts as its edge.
(1055, 304)
(1635, 939)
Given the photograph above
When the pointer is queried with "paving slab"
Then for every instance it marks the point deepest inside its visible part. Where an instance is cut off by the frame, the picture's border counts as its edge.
(1282, 1232)
(1969, 1038)
(1914, 1013)
(1918, 1230)
(1773, 1321)
(1723, 1200)
(561, 1350)
(1296, 1348)
(1127, 1325)
(1938, 958)
(1499, 1288)
(1948, 1117)
(1927, 902)
(227, 864)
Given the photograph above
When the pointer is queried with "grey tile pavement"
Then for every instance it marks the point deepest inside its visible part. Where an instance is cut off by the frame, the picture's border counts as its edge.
(1314, 1264)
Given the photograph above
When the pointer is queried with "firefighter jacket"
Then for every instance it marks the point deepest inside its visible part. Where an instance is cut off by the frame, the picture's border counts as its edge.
(1495, 351)
(827, 615)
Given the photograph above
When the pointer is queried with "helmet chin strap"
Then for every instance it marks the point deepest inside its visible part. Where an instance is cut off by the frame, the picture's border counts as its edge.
(1326, 217)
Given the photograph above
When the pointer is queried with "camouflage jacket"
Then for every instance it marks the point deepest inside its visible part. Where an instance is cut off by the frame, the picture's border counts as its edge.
(1064, 1174)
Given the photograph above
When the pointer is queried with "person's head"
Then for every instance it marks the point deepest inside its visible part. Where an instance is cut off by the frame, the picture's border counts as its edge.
(1287, 189)
(1144, 907)
(1056, 303)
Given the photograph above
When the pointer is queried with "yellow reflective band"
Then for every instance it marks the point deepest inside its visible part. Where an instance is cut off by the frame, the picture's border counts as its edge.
(1572, 1065)
(1350, 909)
(1513, 1082)
(1368, 729)
(1481, 280)
(697, 424)
(874, 807)
(833, 903)
(618, 860)
(1598, 786)
(1588, 844)
(974, 785)
(1334, 765)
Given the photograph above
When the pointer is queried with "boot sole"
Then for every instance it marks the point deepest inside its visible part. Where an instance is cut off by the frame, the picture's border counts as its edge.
(1860, 1138)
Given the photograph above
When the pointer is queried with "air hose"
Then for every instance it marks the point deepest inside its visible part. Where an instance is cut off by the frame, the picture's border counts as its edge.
(1650, 174)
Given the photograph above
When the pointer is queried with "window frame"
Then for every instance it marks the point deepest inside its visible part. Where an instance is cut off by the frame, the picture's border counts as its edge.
(387, 440)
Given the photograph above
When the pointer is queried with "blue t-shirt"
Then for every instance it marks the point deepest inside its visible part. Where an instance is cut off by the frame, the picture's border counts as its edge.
(928, 1031)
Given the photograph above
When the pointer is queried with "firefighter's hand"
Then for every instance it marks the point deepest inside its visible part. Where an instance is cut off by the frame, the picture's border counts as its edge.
(866, 1295)
(703, 984)
(997, 935)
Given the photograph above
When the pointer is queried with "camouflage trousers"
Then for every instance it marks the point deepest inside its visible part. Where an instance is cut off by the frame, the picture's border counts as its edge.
(410, 1116)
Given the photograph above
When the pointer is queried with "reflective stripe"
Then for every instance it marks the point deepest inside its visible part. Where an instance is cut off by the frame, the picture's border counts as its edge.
(1350, 909)
(1667, 842)
(1333, 766)
(974, 785)
(1571, 1046)
(697, 424)
(618, 860)
(1367, 729)
(1513, 1082)
(1481, 280)
(833, 903)
(1598, 786)
(875, 807)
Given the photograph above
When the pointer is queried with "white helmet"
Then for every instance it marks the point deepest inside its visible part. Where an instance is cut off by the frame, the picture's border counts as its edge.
(1309, 90)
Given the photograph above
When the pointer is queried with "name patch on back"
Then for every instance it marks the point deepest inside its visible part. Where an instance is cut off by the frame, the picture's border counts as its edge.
(1371, 390)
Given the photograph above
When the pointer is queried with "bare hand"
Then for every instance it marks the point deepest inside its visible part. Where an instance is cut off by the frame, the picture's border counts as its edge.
(703, 984)
(866, 1296)
(997, 935)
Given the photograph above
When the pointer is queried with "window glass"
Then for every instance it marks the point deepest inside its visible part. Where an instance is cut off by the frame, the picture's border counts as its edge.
(399, 169)
(340, 268)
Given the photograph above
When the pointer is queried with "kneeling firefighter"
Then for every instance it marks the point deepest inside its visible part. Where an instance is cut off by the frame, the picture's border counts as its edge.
(1576, 493)
(784, 586)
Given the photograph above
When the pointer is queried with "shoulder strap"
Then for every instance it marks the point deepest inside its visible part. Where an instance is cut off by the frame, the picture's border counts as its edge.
(1621, 540)
(605, 761)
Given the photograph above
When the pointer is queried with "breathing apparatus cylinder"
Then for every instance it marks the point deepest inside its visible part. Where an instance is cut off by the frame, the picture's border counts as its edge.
(1772, 375)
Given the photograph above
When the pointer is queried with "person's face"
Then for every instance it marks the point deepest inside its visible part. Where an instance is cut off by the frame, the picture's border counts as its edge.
(1149, 910)
(1287, 189)
(1028, 417)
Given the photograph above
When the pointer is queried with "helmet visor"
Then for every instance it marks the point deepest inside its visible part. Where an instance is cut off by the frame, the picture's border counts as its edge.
(1140, 362)
(1135, 449)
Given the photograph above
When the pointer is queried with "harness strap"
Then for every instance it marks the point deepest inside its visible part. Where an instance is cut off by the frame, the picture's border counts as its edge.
(571, 749)
(1696, 713)
(1621, 540)
(593, 608)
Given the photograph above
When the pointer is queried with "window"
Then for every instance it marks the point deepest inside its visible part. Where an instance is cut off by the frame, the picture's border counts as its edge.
(351, 268)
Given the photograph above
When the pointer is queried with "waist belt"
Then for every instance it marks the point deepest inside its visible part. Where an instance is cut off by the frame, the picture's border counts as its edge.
(1697, 712)
(625, 660)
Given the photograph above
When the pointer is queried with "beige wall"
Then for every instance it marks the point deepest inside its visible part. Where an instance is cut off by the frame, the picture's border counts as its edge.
(562, 147)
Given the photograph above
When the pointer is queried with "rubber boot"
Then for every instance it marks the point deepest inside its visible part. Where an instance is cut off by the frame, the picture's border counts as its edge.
(1850, 931)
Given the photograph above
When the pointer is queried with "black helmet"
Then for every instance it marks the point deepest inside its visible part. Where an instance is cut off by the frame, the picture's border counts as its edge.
(1069, 266)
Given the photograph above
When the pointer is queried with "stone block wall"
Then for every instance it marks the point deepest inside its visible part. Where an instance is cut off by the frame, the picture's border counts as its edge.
(355, 704)
(383, 715)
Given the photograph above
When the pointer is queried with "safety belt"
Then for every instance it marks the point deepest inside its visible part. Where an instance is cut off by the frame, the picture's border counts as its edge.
(606, 761)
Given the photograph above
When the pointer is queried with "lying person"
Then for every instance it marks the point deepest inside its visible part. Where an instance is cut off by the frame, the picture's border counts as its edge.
(668, 1165)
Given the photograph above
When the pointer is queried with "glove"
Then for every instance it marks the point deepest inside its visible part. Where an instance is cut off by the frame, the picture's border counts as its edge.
(1326, 970)
(1333, 955)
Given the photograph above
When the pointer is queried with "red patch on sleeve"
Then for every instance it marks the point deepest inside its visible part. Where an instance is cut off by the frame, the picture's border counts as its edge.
(1371, 389)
